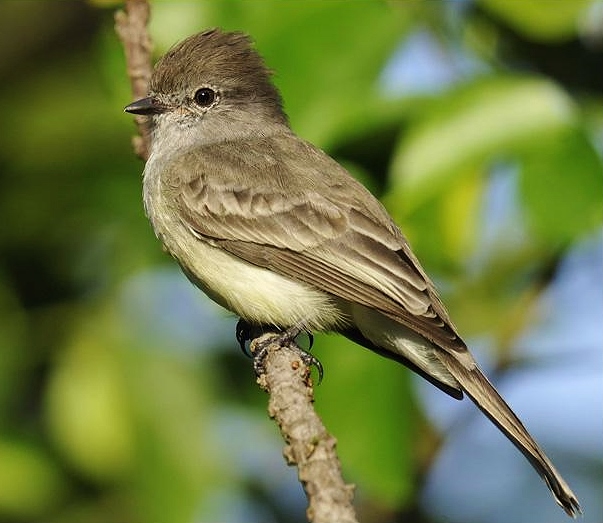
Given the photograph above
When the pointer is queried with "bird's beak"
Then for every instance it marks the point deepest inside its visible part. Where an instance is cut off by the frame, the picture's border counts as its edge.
(146, 106)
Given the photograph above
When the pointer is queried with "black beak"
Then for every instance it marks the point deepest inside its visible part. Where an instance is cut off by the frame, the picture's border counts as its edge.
(146, 106)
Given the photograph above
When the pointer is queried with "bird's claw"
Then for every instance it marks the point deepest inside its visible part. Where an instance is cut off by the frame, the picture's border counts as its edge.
(260, 351)
(246, 332)
(311, 340)
(243, 334)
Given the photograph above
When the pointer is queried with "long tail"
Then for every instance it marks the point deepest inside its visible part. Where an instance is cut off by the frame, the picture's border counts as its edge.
(485, 396)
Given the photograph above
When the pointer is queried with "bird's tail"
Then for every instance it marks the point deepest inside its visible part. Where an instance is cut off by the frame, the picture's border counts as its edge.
(485, 396)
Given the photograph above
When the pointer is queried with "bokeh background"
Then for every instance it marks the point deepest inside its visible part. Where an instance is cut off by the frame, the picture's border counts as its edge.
(123, 395)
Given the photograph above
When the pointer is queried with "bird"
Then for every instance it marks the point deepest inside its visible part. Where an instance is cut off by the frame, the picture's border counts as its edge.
(275, 230)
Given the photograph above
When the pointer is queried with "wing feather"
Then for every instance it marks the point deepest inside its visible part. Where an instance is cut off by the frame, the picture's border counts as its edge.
(340, 241)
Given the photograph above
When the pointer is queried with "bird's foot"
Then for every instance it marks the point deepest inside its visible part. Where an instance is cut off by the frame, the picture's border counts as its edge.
(246, 332)
(260, 351)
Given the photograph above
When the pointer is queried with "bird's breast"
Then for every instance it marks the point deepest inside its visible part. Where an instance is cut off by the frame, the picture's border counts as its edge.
(254, 293)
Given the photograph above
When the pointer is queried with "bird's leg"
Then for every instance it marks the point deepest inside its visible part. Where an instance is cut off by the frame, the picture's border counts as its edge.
(260, 350)
(246, 332)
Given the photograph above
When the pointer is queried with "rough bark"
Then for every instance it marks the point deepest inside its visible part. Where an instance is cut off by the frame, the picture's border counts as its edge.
(131, 27)
(286, 378)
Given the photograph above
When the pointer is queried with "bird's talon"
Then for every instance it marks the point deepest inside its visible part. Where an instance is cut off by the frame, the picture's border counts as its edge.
(243, 335)
(313, 361)
(246, 332)
(260, 351)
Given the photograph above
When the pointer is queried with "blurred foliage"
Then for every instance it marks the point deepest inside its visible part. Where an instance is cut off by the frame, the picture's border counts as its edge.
(103, 419)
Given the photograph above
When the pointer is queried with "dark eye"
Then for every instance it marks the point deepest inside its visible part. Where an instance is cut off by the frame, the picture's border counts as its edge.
(205, 96)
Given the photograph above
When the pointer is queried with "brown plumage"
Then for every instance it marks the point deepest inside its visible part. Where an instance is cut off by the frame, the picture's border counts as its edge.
(275, 230)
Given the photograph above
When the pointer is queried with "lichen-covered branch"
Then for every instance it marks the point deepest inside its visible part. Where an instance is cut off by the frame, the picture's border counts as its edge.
(309, 446)
(131, 27)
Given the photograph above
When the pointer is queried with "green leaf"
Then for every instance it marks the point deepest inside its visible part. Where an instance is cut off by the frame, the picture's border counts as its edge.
(561, 185)
(31, 484)
(541, 20)
(365, 401)
(86, 403)
(471, 126)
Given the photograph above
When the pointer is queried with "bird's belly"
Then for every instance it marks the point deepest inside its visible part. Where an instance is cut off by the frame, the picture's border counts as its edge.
(257, 295)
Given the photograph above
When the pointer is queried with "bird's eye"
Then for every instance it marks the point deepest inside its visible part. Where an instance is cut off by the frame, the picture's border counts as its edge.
(205, 97)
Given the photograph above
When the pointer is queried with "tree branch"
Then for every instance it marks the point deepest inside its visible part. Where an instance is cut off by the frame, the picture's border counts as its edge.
(286, 378)
(131, 27)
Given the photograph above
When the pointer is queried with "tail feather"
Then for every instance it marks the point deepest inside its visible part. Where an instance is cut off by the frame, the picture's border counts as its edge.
(485, 396)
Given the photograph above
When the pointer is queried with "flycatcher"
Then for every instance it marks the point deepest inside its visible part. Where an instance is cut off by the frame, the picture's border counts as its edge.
(273, 229)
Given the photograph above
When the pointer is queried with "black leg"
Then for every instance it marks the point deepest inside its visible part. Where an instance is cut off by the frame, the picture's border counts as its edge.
(243, 334)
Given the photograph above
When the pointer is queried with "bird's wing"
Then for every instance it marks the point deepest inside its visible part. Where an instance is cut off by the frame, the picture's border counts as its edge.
(326, 231)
